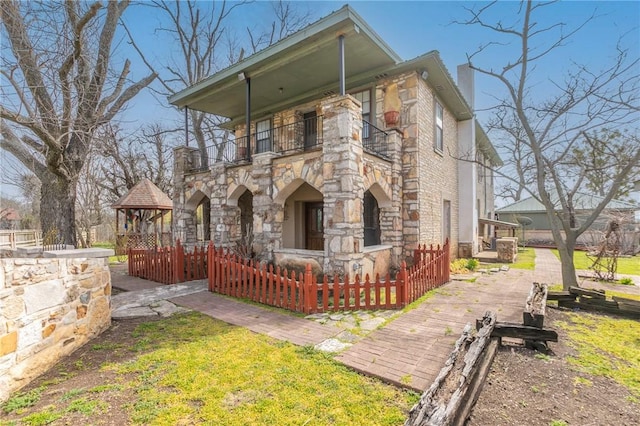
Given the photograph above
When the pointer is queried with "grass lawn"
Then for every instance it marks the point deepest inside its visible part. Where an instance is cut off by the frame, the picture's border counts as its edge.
(526, 259)
(606, 346)
(626, 265)
(192, 369)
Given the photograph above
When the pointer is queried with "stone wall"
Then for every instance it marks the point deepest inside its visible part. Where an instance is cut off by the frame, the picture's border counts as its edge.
(48, 309)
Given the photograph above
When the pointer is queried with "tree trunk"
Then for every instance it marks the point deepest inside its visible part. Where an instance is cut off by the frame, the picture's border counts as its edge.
(57, 208)
(566, 250)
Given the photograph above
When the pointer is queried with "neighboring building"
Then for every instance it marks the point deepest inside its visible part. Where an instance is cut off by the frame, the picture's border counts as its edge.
(540, 229)
(9, 218)
(354, 156)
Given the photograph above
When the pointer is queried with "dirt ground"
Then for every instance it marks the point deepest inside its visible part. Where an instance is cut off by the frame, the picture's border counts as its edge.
(525, 388)
(522, 389)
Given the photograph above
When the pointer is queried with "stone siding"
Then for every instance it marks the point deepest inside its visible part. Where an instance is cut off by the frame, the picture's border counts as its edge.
(48, 309)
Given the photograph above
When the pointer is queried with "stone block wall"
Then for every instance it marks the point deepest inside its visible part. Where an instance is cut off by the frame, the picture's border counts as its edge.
(48, 309)
(507, 249)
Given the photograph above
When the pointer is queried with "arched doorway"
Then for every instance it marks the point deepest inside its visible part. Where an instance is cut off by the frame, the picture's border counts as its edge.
(371, 220)
(303, 226)
(245, 204)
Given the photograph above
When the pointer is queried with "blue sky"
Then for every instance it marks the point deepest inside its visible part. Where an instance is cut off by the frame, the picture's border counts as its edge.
(412, 28)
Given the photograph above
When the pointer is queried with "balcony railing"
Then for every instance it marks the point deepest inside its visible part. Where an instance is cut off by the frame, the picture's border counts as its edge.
(374, 140)
(303, 135)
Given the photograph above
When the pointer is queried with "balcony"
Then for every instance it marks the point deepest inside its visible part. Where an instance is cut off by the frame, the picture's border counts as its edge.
(301, 136)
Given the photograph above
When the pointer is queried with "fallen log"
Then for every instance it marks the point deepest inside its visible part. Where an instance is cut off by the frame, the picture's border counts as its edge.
(598, 294)
(598, 308)
(625, 304)
(534, 307)
(524, 332)
(449, 399)
(560, 295)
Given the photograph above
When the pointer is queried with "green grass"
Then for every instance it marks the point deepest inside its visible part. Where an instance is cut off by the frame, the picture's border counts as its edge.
(526, 259)
(606, 346)
(205, 371)
(22, 400)
(626, 265)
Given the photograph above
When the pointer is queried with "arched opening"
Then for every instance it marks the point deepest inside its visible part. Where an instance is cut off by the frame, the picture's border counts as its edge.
(200, 221)
(303, 225)
(203, 220)
(245, 204)
(371, 220)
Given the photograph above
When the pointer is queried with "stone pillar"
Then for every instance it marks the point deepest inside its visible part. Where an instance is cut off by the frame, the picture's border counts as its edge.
(391, 216)
(343, 188)
(267, 229)
(223, 216)
(183, 224)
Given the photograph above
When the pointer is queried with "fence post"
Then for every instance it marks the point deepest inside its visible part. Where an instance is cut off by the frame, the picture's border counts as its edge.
(307, 286)
(404, 285)
(210, 265)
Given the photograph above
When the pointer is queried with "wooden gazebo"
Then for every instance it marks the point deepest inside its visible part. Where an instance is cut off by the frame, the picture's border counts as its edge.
(144, 208)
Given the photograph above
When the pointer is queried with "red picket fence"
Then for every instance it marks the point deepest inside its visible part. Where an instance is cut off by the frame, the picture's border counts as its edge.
(241, 278)
(168, 265)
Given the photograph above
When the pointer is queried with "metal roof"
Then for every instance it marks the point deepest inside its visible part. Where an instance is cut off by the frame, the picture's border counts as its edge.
(581, 201)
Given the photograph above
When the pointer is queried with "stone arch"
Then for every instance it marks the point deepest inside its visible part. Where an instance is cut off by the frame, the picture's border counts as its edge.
(201, 231)
(240, 182)
(286, 191)
(234, 192)
(194, 200)
(381, 191)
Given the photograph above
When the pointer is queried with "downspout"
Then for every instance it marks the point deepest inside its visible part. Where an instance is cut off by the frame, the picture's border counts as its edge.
(248, 113)
(186, 125)
(341, 64)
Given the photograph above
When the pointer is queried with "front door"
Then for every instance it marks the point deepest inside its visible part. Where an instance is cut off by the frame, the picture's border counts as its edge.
(314, 238)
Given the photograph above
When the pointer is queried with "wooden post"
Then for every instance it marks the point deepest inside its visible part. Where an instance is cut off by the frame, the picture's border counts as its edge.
(404, 285)
(307, 288)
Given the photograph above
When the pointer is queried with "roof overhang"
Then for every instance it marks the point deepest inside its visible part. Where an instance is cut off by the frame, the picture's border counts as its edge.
(305, 66)
(498, 223)
(293, 70)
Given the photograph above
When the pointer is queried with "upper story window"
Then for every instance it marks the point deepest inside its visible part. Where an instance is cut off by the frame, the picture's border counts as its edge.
(439, 128)
(263, 135)
(365, 99)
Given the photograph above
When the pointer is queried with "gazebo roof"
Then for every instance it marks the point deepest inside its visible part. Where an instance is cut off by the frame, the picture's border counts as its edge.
(145, 195)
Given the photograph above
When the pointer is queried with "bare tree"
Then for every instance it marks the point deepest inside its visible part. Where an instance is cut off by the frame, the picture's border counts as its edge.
(555, 128)
(90, 203)
(128, 158)
(61, 89)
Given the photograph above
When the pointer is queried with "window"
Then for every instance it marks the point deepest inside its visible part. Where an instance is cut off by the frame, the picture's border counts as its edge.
(365, 99)
(371, 220)
(263, 136)
(310, 129)
(446, 220)
(439, 137)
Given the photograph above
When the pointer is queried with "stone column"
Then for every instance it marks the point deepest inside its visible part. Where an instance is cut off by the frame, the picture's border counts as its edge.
(183, 224)
(391, 216)
(223, 216)
(267, 229)
(343, 188)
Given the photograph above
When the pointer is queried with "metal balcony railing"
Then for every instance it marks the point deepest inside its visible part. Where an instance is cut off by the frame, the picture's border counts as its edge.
(374, 140)
(303, 135)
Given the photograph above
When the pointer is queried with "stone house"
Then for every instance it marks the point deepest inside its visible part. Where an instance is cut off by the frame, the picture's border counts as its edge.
(354, 157)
